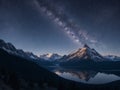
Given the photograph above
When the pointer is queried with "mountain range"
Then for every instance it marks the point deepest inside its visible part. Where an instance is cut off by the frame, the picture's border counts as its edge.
(19, 52)
(86, 53)
(50, 56)
(17, 73)
(21, 70)
(82, 54)
(28, 55)
(88, 58)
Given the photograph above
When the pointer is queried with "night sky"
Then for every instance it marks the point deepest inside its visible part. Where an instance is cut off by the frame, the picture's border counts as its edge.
(61, 26)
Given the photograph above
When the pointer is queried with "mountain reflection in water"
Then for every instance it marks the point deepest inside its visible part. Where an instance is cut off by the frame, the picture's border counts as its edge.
(89, 76)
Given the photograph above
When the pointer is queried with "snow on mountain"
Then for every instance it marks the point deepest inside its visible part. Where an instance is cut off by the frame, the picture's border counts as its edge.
(19, 52)
(85, 53)
(50, 56)
(7, 47)
(31, 55)
(112, 58)
(46, 56)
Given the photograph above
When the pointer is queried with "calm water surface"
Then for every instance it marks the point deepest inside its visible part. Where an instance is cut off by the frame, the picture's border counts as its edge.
(89, 76)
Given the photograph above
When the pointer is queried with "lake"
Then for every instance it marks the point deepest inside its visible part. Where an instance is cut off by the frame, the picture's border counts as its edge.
(88, 76)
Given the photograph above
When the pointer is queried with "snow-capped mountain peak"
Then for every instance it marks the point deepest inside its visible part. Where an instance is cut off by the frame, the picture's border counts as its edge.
(86, 46)
(19, 52)
(112, 58)
(85, 53)
(50, 56)
(7, 46)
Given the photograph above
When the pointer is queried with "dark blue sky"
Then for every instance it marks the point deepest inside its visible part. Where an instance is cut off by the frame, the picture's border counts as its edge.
(23, 24)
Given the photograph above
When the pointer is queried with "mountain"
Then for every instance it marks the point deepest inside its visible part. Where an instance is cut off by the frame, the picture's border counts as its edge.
(8, 47)
(85, 53)
(112, 58)
(18, 73)
(19, 52)
(22, 74)
(50, 57)
(88, 58)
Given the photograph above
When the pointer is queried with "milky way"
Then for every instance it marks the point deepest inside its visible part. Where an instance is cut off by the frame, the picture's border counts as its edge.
(60, 18)
(95, 22)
